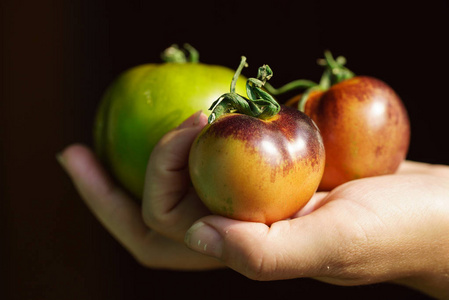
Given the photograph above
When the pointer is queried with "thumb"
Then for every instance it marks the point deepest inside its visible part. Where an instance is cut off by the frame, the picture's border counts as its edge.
(287, 249)
(168, 205)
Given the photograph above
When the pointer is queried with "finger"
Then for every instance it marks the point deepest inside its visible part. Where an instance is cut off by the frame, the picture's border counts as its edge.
(164, 253)
(314, 203)
(121, 216)
(170, 205)
(119, 213)
(413, 167)
(406, 167)
(288, 249)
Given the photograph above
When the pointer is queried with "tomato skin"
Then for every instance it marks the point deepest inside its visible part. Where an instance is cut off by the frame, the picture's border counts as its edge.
(143, 104)
(365, 129)
(255, 170)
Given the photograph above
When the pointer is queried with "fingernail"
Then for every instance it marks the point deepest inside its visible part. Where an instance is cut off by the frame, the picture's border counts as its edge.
(196, 118)
(204, 239)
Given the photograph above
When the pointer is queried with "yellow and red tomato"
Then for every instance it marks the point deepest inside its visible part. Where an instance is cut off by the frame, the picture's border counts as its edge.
(257, 170)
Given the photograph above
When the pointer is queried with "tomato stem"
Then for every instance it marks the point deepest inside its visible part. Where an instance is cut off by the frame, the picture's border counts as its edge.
(305, 96)
(294, 85)
(174, 54)
(194, 55)
(337, 72)
(259, 103)
(243, 64)
(334, 72)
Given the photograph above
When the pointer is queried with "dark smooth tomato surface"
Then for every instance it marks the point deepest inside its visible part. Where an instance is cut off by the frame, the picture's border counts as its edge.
(365, 129)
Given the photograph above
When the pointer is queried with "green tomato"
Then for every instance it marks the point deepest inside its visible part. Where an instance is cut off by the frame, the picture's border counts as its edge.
(144, 103)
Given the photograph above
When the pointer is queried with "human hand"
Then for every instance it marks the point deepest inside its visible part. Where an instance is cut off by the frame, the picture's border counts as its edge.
(153, 235)
(366, 231)
(386, 228)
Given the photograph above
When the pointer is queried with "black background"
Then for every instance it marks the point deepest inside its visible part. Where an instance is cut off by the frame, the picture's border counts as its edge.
(59, 56)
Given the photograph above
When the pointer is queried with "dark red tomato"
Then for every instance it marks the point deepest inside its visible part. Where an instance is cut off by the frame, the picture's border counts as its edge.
(365, 129)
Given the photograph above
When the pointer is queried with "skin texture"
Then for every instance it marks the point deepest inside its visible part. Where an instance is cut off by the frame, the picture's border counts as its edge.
(385, 228)
(143, 104)
(365, 129)
(257, 170)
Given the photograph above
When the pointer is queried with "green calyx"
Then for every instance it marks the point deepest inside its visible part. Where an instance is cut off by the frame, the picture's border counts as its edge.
(174, 54)
(334, 72)
(259, 103)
